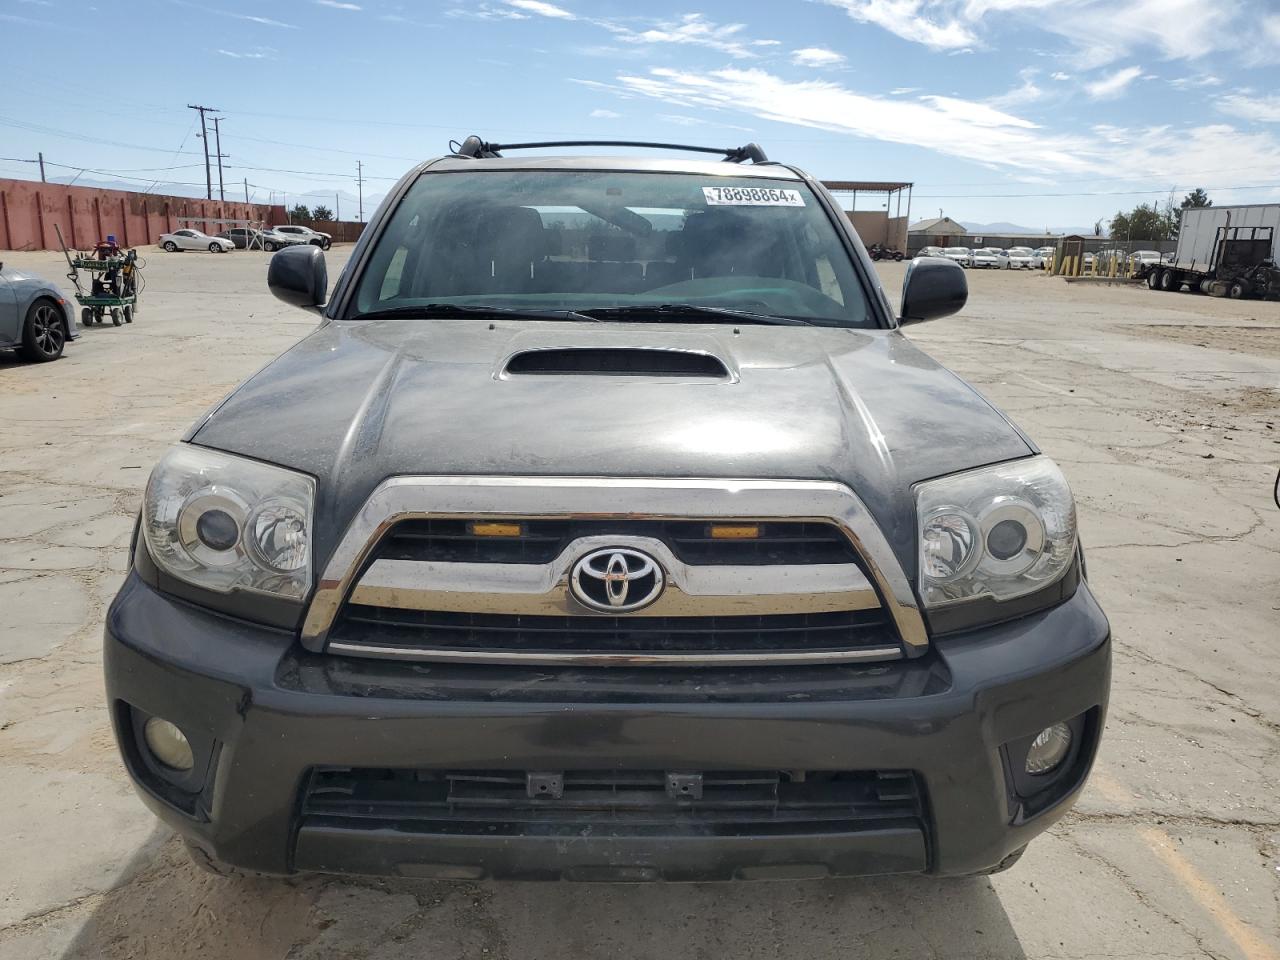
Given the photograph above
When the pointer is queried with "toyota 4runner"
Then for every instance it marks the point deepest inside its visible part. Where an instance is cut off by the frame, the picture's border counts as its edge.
(607, 528)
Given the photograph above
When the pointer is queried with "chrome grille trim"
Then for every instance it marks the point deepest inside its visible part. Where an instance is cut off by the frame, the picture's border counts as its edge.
(402, 498)
(542, 589)
(548, 659)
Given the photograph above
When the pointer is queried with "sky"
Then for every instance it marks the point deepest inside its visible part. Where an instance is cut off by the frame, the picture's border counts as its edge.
(1043, 113)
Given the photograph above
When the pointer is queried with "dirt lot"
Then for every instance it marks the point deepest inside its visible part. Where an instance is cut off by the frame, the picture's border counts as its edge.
(1164, 410)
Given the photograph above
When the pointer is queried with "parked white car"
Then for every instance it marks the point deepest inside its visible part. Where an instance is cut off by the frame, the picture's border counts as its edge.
(989, 258)
(193, 240)
(1046, 254)
(1145, 257)
(304, 234)
(931, 252)
(1024, 258)
(961, 255)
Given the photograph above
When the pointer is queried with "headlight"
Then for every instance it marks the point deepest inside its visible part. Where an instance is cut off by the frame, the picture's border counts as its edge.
(225, 523)
(997, 533)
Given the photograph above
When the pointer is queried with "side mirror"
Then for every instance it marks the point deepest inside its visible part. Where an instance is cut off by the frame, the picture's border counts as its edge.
(933, 287)
(298, 276)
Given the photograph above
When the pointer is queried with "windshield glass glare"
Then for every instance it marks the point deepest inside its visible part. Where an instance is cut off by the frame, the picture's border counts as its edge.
(581, 240)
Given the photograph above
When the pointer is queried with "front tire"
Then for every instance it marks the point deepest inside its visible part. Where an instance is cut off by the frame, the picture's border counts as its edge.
(215, 248)
(269, 247)
(1238, 290)
(170, 246)
(43, 335)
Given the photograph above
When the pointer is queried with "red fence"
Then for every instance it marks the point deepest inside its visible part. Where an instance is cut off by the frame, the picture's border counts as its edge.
(29, 211)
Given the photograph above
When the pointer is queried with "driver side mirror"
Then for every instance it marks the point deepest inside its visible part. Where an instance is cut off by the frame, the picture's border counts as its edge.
(932, 288)
(298, 276)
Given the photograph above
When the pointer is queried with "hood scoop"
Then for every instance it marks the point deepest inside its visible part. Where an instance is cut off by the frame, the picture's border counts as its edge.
(616, 362)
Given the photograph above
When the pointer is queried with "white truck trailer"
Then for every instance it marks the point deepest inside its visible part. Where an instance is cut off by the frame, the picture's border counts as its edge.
(1224, 251)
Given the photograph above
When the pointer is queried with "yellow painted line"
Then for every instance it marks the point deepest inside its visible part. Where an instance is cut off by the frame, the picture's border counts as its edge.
(1246, 939)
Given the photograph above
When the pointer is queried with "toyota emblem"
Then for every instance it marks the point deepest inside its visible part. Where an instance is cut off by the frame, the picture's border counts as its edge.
(616, 580)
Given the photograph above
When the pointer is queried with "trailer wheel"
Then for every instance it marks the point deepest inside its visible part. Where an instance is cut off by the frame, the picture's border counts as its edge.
(1153, 280)
(1238, 290)
(1168, 280)
(128, 314)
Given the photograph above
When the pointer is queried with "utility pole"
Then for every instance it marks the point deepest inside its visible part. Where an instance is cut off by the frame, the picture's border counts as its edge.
(41, 156)
(217, 142)
(204, 136)
(246, 189)
(337, 208)
(360, 187)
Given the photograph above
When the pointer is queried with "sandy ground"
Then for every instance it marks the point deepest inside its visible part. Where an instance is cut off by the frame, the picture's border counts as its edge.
(1164, 410)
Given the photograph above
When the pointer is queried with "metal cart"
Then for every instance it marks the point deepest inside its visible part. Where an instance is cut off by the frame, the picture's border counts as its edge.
(115, 283)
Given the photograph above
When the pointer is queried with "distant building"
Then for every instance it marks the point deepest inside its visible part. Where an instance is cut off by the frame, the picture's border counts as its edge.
(938, 232)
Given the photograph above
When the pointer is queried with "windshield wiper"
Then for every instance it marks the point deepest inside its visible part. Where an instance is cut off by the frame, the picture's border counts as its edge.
(668, 312)
(429, 310)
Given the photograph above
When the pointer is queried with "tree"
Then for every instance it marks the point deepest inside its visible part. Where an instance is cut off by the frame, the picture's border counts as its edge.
(1144, 222)
(1196, 198)
(321, 212)
(299, 212)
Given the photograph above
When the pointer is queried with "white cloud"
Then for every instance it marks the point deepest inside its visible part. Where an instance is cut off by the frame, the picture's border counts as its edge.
(1202, 80)
(1026, 92)
(338, 5)
(1059, 76)
(901, 91)
(485, 12)
(909, 19)
(816, 57)
(601, 114)
(692, 28)
(543, 9)
(262, 53)
(967, 130)
(1100, 31)
(265, 21)
(1113, 84)
(1260, 108)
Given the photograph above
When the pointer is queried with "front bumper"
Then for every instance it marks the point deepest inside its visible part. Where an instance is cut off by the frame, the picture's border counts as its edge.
(263, 714)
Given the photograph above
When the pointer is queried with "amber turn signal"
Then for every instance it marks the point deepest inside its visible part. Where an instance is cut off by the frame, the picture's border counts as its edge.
(735, 531)
(486, 529)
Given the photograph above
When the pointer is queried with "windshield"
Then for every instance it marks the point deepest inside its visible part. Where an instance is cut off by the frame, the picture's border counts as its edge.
(567, 240)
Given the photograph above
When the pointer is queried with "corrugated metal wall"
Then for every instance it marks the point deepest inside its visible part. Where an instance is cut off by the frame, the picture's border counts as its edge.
(29, 211)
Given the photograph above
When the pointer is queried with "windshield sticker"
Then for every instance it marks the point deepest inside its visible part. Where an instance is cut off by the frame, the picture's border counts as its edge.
(752, 197)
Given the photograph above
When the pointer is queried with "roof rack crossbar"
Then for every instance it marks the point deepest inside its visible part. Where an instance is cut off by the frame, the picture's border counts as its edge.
(474, 147)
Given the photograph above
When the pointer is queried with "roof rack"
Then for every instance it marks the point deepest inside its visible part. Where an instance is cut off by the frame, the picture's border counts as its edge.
(476, 148)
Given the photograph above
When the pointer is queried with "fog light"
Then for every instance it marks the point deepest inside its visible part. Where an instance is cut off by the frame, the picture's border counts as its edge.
(168, 744)
(1048, 749)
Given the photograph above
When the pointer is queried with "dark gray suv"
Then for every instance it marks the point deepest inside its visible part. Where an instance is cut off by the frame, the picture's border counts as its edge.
(607, 528)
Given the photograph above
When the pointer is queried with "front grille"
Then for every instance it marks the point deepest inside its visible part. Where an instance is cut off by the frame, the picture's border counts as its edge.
(515, 802)
(541, 541)
(394, 628)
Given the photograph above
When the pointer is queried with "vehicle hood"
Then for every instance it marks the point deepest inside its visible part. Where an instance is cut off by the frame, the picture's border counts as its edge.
(357, 402)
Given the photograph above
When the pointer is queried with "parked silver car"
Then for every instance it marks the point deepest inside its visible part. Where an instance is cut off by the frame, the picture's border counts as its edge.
(35, 318)
(274, 239)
